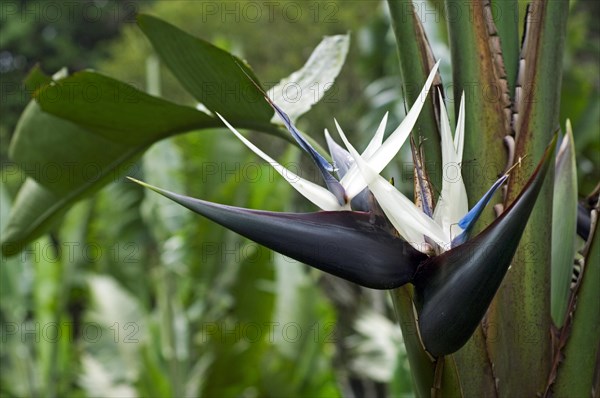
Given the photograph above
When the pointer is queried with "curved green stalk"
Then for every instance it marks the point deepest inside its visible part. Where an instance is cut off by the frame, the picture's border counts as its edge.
(422, 367)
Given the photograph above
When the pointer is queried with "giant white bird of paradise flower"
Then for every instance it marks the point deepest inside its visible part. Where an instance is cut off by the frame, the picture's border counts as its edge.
(455, 276)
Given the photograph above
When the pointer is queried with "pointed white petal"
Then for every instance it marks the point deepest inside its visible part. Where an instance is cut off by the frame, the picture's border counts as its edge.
(459, 135)
(404, 215)
(318, 195)
(452, 204)
(448, 150)
(377, 139)
(375, 142)
(352, 182)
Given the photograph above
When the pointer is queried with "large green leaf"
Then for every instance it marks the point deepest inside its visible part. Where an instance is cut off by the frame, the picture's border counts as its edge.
(564, 220)
(64, 163)
(63, 156)
(225, 84)
(34, 211)
(117, 111)
(213, 76)
(123, 114)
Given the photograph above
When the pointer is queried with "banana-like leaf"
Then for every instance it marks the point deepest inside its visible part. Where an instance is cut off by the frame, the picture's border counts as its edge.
(62, 174)
(351, 245)
(34, 211)
(116, 110)
(67, 161)
(564, 225)
(63, 156)
(454, 289)
(209, 74)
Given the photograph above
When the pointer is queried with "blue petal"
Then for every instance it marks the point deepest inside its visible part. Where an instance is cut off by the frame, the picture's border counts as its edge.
(321, 162)
(324, 166)
(467, 222)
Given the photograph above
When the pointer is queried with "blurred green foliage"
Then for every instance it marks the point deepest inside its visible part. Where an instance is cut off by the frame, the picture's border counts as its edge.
(70, 34)
(580, 101)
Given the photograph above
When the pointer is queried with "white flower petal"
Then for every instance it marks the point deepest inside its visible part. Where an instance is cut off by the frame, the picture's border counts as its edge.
(352, 182)
(452, 204)
(318, 195)
(404, 215)
(459, 135)
(448, 149)
(377, 139)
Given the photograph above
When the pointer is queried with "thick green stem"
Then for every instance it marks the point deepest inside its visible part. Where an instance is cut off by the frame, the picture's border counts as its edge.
(520, 316)
(422, 368)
